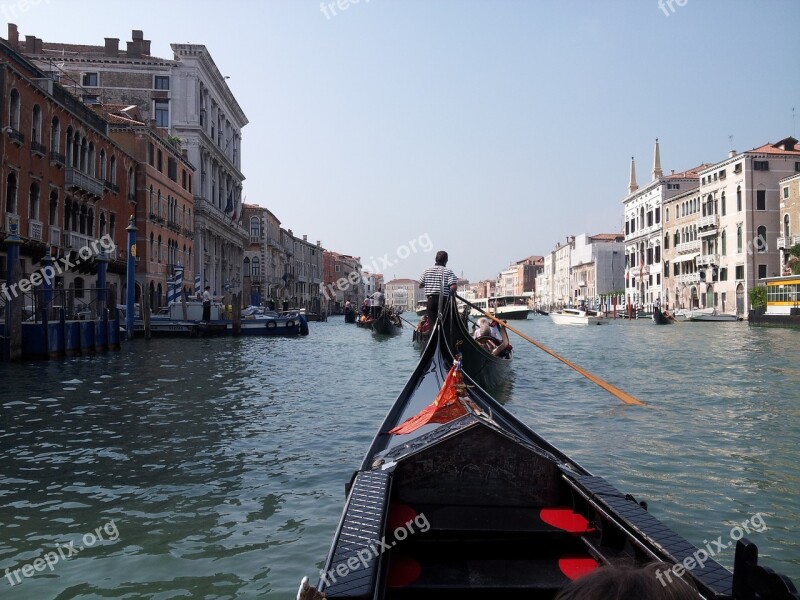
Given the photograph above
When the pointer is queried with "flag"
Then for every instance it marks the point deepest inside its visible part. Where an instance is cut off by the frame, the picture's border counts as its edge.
(229, 203)
(444, 409)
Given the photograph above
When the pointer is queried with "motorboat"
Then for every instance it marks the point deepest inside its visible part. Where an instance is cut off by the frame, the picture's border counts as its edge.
(576, 316)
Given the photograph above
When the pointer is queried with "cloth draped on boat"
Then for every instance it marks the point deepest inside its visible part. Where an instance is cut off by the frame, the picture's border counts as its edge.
(444, 409)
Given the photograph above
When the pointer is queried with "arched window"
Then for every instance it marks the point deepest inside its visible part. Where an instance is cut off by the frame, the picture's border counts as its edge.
(33, 202)
(84, 155)
(11, 193)
(55, 135)
(255, 229)
(739, 239)
(54, 208)
(666, 215)
(786, 226)
(76, 150)
(160, 252)
(666, 241)
(739, 198)
(152, 201)
(722, 204)
(113, 168)
(246, 268)
(13, 110)
(82, 220)
(103, 170)
(256, 267)
(91, 166)
(102, 224)
(36, 124)
(90, 222)
(724, 244)
(152, 254)
(79, 287)
(761, 239)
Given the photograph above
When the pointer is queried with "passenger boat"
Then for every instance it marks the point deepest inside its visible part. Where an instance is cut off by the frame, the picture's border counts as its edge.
(575, 316)
(422, 308)
(710, 314)
(486, 370)
(173, 322)
(456, 498)
(502, 307)
(662, 318)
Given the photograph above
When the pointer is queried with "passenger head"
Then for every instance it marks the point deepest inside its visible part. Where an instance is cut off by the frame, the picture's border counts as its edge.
(441, 258)
(654, 581)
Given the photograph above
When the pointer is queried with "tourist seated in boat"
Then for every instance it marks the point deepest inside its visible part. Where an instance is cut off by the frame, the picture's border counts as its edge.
(491, 337)
(654, 581)
(424, 325)
(365, 307)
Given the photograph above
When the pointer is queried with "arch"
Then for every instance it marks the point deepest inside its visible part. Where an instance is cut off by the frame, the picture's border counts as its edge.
(36, 124)
(55, 135)
(102, 223)
(159, 293)
(761, 239)
(723, 207)
(739, 239)
(33, 202)
(739, 198)
(84, 154)
(54, 208)
(246, 267)
(103, 169)
(11, 192)
(13, 109)
(92, 163)
(785, 225)
(113, 168)
(724, 243)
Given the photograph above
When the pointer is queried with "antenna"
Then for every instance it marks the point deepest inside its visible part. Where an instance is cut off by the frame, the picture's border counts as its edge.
(730, 142)
(794, 130)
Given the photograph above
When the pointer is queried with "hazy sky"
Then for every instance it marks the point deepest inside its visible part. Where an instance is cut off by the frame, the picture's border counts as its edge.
(492, 128)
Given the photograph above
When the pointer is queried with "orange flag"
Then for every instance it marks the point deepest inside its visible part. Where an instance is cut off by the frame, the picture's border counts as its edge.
(444, 409)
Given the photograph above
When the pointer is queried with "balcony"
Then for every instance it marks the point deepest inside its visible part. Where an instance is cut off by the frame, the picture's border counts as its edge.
(57, 159)
(687, 247)
(38, 148)
(55, 236)
(76, 241)
(131, 198)
(706, 260)
(16, 137)
(788, 241)
(76, 180)
(35, 230)
(255, 239)
(688, 278)
(708, 222)
(111, 186)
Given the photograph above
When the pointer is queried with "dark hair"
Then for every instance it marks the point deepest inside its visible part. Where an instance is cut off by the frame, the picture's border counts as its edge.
(208, 287)
(441, 258)
(654, 581)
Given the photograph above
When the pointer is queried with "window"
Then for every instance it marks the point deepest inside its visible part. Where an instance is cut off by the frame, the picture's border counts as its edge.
(161, 82)
(55, 135)
(723, 274)
(54, 208)
(761, 239)
(89, 80)
(256, 267)
(722, 204)
(739, 198)
(762, 271)
(161, 112)
(33, 202)
(739, 241)
(658, 215)
(785, 225)
(79, 287)
(786, 192)
(740, 272)
(761, 200)
(255, 228)
(724, 244)
(151, 155)
(246, 268)
(160, 162)
(761, 165)
(103, 174)
(36, 125)
(172, 169)
(11, 193)
(113, 168)
(666, 241)
(13, 110)
(797, 166)
(666, 215)
(737, 168)
(722, 174)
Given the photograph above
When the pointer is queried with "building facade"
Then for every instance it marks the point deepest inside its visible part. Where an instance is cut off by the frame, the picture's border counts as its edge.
(681, 249)
(188, 98)
(597, 267)
(66, 184)
(404, 294)
(343, 281)
(790, 219)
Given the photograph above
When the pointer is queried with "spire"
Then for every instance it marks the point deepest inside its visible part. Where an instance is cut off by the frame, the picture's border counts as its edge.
(657, 172)
(632, 187)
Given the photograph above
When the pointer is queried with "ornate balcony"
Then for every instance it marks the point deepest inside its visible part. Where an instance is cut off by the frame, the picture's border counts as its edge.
(16, 137)
(76, 180)
(708, 222)
(788, 241)
(688, 278)
(706, 260)
(76, 241)
(38, 148)
(687, 247)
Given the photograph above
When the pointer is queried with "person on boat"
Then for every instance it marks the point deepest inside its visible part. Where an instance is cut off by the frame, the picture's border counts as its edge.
(654, 581)
(207, 303)
(377, 300)
(436, 279)
(285, 304)
(424, 326)
(365, 307)
(272, 304)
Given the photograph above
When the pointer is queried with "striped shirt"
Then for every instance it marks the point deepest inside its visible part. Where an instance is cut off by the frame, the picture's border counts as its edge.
(438, 278)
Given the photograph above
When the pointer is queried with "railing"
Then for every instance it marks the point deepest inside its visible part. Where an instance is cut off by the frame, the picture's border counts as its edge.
(57, 158)
(35, 230)
(38, 148)
(55, 236)
(15, 136)
(78, 305)
(788, 241)
(255, 239)
(707, 259)
(76, 241)
(78, 180)
(687, 247)
(708, 221)
(688, 278)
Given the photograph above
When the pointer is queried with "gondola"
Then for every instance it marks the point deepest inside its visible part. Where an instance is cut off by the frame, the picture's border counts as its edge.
(349, 315)
(480, 506)
(387, 323)
(487, 370)
(661, 319)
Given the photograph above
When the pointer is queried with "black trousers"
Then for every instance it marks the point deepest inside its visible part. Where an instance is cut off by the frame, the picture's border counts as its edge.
(206, 311)
(433, 307)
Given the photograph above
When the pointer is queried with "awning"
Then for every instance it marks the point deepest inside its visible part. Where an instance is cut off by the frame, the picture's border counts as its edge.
(686, 258)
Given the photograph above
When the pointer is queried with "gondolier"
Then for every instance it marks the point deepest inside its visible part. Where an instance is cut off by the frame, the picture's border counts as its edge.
(436, 279)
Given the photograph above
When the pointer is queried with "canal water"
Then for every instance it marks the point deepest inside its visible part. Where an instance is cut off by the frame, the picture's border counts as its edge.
(216, 468)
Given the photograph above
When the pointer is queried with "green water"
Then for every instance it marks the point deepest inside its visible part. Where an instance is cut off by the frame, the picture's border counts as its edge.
(217, 467)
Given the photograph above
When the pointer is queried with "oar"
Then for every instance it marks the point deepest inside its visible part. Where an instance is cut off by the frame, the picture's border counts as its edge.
(407, 321)
(624, 396)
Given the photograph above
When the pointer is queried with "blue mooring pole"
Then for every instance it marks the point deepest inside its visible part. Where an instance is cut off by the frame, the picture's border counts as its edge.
(130, 295)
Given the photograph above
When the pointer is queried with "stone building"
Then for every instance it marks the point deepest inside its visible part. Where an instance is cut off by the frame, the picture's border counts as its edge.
(188, 98)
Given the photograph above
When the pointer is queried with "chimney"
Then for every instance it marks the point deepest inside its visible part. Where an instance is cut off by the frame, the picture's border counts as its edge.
(112, 47)
(33, 45)
(732, 153)
(305, 238)
(137, 35)
(146, 47)
(672, 171)
(319, 243)
(13, 36)
(136, 43)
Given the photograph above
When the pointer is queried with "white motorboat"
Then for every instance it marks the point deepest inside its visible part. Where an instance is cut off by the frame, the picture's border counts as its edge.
(502, 307)
(708, 314)
(574, 316)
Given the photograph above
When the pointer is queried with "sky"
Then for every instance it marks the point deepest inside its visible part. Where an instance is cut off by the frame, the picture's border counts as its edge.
(493, 129)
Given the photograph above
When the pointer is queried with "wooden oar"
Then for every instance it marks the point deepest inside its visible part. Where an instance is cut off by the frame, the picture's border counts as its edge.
(624, 396)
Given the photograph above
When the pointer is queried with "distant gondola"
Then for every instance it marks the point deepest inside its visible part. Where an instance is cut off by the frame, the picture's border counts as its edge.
(468, 502)
(349, 315)
(388, 322)
(661, 318)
